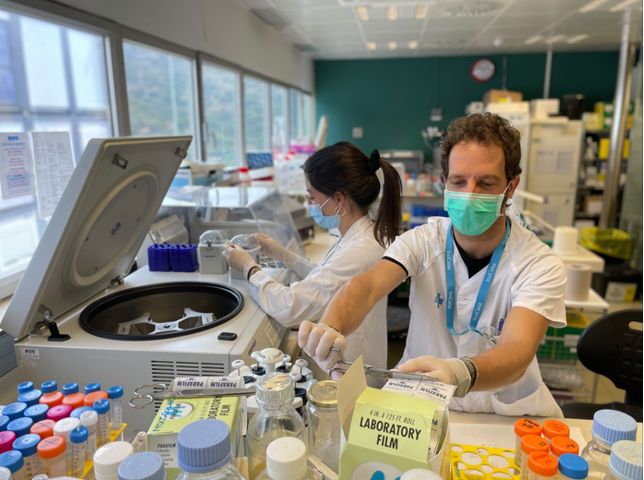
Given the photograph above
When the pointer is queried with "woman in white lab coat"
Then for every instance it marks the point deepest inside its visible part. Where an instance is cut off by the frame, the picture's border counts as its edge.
(343, 185)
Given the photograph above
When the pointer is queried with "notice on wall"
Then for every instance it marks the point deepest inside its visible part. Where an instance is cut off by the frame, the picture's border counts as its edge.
(16, 165)
(54, 164)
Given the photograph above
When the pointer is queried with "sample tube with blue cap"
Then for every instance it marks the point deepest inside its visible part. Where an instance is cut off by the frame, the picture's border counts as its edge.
(14, 462)
(572, 466)
(20, 426)
(70, 388)
(102, 408)
(15, 410)
(92, 387)
(28, 445)
(49, 386)
(115, 394)
(32, 397)
(37, 412)
(142, 466)
(77, 412)
(78, 439)
(25, 387)
(4, 421)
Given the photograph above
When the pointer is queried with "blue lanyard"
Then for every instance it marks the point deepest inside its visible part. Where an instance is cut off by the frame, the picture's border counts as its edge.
(483, 290)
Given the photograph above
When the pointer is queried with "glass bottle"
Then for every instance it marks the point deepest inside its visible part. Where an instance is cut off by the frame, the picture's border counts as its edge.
(625, 461)
(275, 418)
(204, 452)
(142, 466)
(609, 426)
(286, 460)
(324, 423)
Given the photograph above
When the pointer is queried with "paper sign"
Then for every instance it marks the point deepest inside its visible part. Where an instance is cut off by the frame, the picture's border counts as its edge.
(54, 164)
(15, 165)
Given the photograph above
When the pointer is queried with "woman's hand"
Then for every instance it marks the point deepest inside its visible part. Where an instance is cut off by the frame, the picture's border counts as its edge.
(271, 247)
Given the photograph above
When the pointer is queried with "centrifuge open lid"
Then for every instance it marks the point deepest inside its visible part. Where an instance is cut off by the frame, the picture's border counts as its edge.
(95, 232)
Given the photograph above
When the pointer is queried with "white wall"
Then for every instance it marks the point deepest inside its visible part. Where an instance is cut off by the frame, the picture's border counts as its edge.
(220, 27)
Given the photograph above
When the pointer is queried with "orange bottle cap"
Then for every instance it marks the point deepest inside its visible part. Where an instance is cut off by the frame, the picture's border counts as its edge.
(51, 447)
(561, 445)
(525, 426)
(533, 443)
(543, 464)
(52, 399)
(90, 398)
(44, 428)
(74, 400)
(555, 428)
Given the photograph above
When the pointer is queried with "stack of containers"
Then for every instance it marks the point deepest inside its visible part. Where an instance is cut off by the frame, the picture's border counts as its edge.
(43, 428)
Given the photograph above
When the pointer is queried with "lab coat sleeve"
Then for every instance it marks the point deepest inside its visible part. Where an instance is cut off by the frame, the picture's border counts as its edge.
(540, 287)
(300, 266)
(411, 249)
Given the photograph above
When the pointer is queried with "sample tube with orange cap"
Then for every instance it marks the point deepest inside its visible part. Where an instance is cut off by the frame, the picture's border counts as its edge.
(555, 428)
(52, 451)
(50, 396)
(74, 400)
(44, 428)
(542, 466)
(561, 445)
(90, 398)
(523, 426)
(531, 443)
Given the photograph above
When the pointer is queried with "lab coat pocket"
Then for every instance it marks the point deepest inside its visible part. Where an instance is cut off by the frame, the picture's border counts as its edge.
(527, 396)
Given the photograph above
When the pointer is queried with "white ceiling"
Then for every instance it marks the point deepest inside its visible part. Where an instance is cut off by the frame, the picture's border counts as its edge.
(333, 29)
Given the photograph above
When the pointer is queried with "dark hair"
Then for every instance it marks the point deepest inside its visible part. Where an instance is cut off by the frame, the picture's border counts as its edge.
(343, 167)
(485, 129)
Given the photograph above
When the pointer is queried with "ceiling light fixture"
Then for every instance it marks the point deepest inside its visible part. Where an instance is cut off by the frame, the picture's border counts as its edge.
(421, 11)
(532, 39)
(413, 44)
(392, 45)
(362, 13)
(622, 5)
(372, 45)
(592, 6)
(554, 39)
(392, 13)
(577, 38)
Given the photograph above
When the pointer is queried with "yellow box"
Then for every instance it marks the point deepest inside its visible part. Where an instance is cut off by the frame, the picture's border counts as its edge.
(501, 96)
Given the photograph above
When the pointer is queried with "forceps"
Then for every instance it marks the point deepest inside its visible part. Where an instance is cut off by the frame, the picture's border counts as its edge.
(145, 395)
(342, 366)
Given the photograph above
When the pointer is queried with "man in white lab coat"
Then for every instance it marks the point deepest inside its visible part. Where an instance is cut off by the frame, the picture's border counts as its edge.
(483, 288)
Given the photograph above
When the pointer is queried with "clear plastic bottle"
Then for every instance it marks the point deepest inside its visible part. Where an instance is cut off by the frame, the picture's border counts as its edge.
(115, 395)
(324, 423)
(609, 426)
(14, 462)
(78, 439)
(52, 451)
(102, 408)
(531, 443)
(625, 461)
(203, 451)
(108, 458)
(27, 446)
(572, 467)
(142, 466)
(89, 419)
(286, 460)
(275, 418)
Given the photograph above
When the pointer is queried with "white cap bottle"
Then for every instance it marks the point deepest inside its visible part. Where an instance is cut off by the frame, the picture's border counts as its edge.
(420, 474)
(108, 458)
(286, 460)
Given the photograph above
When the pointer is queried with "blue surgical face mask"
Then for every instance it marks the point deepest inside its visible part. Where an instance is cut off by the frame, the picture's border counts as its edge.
(473, 213)
(324, 221)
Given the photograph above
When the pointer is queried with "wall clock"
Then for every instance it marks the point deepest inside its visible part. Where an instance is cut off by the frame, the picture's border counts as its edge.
(482, 70)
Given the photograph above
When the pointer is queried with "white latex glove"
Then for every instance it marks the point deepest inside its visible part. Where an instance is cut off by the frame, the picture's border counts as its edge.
(447, 370)
(272, 248)
(316, 339)
(239, 258)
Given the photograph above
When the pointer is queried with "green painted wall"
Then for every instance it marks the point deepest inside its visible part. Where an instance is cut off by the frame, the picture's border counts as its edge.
(391, 99)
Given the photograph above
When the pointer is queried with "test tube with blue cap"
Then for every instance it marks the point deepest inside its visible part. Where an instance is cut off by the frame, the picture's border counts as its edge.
(31, 397)
(115, 395)
(92, 387)
(27, 446)
(14, 410)
(70, 388)
(89, 419)
(49, 386)
(4, 421)
(78, 439)
(20, 426)
(14, 462)
(25, 387)
(37, 412)
(102, 408)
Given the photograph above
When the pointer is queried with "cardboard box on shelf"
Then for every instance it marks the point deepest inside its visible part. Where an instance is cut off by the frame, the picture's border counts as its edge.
(593, 121)
(544, 107)
(494, 95)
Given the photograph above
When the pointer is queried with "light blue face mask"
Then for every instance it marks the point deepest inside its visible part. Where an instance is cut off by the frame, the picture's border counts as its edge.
(473, 213)
(325, 221)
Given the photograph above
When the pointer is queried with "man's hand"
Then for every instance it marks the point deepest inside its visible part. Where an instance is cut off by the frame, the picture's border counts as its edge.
(451, 370)
(317, 340)
(239, 258)
(272, 248)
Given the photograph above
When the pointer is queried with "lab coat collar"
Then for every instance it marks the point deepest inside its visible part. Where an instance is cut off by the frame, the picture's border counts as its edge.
(357, 229)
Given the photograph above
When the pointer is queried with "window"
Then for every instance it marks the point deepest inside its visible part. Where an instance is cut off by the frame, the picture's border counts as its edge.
(72, 96)
(161, 92)
(256, 118)
(222, 114)
(301, 112)
(279, 115)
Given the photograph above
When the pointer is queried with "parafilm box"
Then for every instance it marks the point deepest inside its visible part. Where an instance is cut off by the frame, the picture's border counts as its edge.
(174, 414)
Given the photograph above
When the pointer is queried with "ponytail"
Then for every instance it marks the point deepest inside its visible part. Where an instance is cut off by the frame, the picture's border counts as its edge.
(388, 218)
